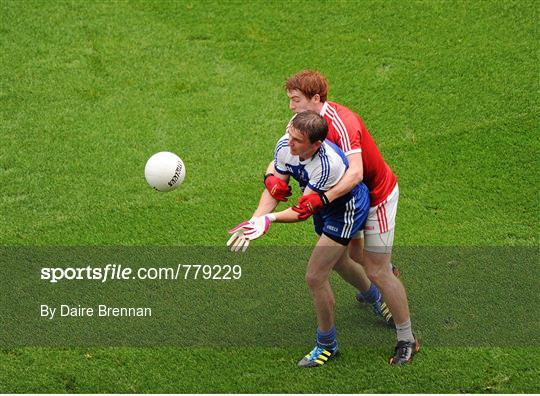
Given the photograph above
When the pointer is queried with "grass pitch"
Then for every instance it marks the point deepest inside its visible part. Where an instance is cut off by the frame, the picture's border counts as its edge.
(89, 90)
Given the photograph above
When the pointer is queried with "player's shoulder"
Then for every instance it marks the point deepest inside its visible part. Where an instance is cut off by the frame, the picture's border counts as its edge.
(330, 152)
(282, 146)
(331, 147)
(328, 167)
(339, 108)
(340, 112)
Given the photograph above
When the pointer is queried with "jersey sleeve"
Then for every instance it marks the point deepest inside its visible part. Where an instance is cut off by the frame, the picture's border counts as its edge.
(280, 155)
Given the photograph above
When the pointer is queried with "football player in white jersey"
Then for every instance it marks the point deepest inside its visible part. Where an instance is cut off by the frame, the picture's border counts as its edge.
(317, 165)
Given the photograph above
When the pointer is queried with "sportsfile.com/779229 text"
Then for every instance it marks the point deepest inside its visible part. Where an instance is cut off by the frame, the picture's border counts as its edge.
(121, 272)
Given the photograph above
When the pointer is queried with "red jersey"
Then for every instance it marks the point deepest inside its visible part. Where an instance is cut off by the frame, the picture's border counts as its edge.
(348, 132)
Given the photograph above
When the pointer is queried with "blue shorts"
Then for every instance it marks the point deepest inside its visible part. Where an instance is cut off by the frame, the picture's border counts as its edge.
(343, 218)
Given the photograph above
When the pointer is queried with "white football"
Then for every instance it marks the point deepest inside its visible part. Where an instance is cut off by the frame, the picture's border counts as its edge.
(164, 171)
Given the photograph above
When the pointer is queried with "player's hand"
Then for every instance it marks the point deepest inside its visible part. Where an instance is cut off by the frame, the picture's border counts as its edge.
(249, 230)
(278, 189)
(238, 241)
(310, 204)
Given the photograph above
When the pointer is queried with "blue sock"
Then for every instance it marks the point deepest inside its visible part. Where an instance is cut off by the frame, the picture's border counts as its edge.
(372, 295)
(327, 339)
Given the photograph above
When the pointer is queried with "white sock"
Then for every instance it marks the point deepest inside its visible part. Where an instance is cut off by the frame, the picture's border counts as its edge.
(404, 331)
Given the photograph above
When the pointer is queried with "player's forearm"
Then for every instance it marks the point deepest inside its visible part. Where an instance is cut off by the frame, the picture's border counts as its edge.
(266, 204)
(287, 216)
(350, 179)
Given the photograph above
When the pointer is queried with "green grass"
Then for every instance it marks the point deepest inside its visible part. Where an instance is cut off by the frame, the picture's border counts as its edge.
(89, 90)
(247, 370)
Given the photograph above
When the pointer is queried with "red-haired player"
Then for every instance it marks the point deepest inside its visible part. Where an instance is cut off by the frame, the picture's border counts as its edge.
(308, 90)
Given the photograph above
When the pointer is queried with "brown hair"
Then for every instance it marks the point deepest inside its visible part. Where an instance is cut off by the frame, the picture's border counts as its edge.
(310, 83)
(312, 124)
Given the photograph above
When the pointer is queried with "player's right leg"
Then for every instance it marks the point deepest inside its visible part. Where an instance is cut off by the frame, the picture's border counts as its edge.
(354, 274)
(323, 258)
(356, 247)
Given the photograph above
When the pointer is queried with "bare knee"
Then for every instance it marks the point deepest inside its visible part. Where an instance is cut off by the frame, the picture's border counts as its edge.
(314, 281)
(375, 277)
(377, 271)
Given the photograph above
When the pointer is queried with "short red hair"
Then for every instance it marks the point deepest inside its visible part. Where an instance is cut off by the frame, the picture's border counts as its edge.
(310, 83)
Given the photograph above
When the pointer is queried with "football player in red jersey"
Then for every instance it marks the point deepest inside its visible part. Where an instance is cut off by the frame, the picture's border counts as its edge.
(308, 90)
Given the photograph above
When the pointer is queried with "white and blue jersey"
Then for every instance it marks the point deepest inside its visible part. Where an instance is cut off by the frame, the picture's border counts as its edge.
(343, 217)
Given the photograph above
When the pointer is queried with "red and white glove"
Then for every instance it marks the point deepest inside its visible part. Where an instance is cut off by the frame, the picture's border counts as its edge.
(278, 189)
(310, 204)
(249, 230)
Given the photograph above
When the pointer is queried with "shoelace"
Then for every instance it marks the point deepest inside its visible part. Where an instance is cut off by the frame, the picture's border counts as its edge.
(316, 352)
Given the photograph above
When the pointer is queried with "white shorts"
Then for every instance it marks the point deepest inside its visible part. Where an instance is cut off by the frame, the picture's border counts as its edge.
(379, 229)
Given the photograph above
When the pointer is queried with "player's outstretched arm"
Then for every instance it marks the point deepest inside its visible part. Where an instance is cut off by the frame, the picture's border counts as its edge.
(259, 223)
(257, 226)
(267, 203)
(353, 176)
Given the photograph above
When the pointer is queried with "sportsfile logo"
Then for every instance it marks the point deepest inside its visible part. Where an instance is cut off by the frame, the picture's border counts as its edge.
(110, 271)
(176, 174)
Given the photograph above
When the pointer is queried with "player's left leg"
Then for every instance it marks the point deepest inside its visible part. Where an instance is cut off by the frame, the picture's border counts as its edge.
(356, 252)
(396, 299)
(323, 258)
(377, 269)
(379, 239)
